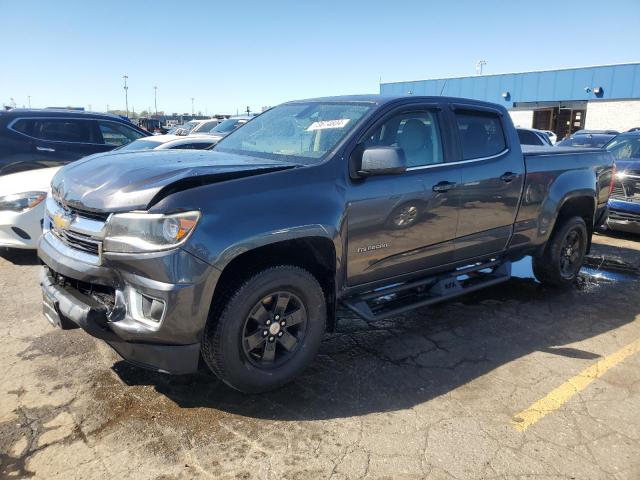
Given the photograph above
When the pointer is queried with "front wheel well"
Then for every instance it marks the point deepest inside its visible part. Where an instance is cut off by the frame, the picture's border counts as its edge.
(317, 255)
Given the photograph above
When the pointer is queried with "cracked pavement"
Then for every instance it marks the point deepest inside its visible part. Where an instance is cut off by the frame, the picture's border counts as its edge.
(430, 394)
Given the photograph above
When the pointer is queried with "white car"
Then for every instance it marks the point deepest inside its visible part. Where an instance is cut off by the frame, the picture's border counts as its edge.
(165, 142)
(552, 136)
(22, 197)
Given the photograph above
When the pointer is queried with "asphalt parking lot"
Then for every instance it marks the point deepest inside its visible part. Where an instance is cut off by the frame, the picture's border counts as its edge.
(517, 381)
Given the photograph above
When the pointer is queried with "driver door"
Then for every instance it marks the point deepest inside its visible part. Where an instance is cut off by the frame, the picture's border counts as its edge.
(401, 223)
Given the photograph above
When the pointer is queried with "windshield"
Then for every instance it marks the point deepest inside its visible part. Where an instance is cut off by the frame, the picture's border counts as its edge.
(304, 132)
(140, 145)
(205, 126)
(229, 125)
(187, 126)
(625, 147)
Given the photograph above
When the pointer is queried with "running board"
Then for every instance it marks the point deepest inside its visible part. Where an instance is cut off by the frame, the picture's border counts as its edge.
(400, 298)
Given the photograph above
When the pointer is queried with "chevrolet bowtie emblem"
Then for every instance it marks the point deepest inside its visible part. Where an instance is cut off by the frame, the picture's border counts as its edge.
(61, 220)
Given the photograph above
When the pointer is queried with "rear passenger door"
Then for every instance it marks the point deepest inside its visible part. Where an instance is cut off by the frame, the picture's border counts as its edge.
(57, 141)
(492, 170)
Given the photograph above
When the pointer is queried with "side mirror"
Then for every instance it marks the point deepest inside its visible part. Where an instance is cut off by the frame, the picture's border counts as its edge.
(382, 161)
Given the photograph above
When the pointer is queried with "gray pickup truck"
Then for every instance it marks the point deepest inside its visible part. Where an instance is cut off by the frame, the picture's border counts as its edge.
(239, 257)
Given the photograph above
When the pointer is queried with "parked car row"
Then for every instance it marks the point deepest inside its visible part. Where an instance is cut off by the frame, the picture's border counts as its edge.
(34, 144)
(210, 127)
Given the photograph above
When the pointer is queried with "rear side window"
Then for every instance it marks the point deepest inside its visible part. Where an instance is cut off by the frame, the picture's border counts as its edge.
(481, 134)
(23, 126)
(63, 130)
(117, 134)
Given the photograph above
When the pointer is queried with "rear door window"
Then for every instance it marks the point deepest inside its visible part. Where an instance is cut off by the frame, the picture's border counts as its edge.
(64, 130)
(480, 133)
(23, 125)
(117, 134)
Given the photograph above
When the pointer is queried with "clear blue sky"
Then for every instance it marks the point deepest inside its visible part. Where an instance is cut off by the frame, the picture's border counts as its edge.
(231, 54)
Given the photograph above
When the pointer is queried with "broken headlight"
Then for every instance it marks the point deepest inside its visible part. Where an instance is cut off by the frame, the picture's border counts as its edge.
(148, 232)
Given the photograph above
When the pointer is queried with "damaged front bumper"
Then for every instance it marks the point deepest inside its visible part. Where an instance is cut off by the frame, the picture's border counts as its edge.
(150, 308)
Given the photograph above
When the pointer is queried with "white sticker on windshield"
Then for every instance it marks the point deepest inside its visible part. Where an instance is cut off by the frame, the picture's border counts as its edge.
(324, 124)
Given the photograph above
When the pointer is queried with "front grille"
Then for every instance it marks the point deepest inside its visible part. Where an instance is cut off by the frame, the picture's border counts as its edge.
(618, 191)
(99, 216)
(627, 189)
(77, 229)
(79, 241)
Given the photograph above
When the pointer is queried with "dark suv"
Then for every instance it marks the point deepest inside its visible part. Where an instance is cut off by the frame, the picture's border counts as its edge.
(47, 138)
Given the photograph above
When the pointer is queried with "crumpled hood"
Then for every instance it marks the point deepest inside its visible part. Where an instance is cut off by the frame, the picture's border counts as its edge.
(116, 182)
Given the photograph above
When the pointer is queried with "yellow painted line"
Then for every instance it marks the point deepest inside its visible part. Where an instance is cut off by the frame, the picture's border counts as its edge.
(559, 396)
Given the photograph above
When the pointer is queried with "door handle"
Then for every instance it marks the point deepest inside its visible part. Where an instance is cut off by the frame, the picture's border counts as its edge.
(45, 149)
(443, 186)
(508, 177)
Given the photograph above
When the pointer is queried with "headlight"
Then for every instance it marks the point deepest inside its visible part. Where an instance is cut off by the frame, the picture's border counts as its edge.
(20, 202)
(146, 232)
(621, 175)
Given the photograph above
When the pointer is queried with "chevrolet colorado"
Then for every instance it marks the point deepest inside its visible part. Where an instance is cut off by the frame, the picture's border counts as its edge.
(239, 256)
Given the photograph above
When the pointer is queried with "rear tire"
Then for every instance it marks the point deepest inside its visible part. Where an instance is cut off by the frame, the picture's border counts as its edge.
(562, 258)
(268, 331)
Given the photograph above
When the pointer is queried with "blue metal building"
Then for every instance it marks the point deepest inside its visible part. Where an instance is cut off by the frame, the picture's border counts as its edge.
(606, 96)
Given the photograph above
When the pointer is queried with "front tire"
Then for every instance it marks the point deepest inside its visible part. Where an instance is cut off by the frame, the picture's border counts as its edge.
(268, 331)
(562, 258)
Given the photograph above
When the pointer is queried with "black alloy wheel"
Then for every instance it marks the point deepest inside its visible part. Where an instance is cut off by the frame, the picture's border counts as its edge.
(571, 253)
(274, 329)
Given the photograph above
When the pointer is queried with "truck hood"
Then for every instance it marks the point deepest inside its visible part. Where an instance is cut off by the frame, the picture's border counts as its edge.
(624, 165)
(117, 182)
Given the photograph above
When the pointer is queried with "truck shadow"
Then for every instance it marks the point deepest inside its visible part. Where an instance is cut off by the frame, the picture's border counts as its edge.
(19, 257)
(407, 360)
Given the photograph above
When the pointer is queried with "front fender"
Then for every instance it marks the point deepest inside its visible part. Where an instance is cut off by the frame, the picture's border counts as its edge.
(244, 214)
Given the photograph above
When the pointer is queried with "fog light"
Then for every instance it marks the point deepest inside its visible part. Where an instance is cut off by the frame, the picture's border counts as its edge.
(145, 308)
(152, 308)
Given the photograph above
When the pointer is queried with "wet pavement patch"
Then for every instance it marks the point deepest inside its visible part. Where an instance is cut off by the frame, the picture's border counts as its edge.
(58, 344)
(595, 268)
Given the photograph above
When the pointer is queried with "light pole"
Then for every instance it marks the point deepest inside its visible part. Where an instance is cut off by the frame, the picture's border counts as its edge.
(192, 108)
(479, 65)
(155, 99)
(29, 100)
(126, 94)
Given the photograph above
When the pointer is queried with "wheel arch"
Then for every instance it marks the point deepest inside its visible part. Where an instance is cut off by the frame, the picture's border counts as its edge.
(578, 204)
(316, 254)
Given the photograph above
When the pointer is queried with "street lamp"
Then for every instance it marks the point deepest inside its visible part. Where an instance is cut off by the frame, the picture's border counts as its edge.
(155, 99)
(29, 100)
(126, 94)
(192, 108)
(479, 65)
